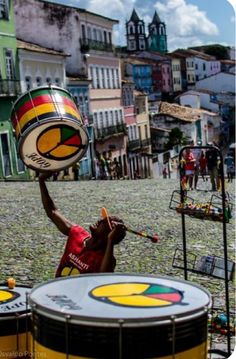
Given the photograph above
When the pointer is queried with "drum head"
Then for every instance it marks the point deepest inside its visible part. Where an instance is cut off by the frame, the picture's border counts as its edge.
(54, 145)
(114, 297)
(13, 301)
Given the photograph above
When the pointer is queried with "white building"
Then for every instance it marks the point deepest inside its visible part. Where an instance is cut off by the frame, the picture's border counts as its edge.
(221, 82)
(40, 66)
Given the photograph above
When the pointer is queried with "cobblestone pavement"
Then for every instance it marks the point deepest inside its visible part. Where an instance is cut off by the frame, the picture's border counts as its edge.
(31, 245)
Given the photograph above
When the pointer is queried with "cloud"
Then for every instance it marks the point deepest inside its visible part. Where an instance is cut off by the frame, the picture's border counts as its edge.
(185, 19)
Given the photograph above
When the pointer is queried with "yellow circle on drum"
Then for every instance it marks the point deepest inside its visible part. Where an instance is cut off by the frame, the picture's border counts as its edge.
(120, 316)
(5, 295)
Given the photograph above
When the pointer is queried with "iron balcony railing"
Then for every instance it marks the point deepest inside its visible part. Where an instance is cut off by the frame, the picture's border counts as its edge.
(145, 143)
(111, 130)
(10, 88)
(134, 145)
(87, 44)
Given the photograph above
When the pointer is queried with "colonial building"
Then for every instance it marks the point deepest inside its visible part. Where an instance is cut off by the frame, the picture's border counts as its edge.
(11, 166)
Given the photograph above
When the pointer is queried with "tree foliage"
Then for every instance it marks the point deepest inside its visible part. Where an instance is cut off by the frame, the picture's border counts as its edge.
(176, 137)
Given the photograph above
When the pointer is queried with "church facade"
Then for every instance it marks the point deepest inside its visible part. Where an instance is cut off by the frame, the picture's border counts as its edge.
(138, 40)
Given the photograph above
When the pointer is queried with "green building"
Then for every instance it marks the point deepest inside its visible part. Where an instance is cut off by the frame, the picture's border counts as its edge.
(157, 39)
(11, 166)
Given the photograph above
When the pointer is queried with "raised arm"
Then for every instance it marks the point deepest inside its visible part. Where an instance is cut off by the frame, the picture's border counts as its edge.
(115, 236)
(51, 210)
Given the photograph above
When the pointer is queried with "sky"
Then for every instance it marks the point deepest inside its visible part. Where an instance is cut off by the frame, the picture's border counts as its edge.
(188, 22)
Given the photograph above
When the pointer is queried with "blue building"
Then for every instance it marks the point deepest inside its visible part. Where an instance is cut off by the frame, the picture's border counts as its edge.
(80, 91)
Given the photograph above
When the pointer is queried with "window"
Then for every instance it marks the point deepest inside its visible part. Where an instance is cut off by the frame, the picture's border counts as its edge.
(103, 78)
(117, 117)
(9, 64)
(49, 81)
(57, 81)
(38, 81)
(106, 119)
(110, 38)
(95, 119)
(6, 159)
(105, 36)
(108, 79)
(89, 33)
(101, 120)
(97, 83)
(117, 79)
(204, 67)
(112, 118)
(28, 83)
(83, 31)
(4, 9)
(113, 78)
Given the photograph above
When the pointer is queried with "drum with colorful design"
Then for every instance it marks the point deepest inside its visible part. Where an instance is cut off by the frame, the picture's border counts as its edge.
(119, 316)
(49, 129)
(14, 322)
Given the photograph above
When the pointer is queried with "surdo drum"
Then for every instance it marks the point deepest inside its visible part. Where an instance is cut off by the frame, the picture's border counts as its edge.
(14, 322)
(49, 129)
(119, 316)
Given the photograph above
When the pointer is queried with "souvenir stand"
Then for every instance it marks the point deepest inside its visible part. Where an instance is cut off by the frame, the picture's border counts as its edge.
(217, 209)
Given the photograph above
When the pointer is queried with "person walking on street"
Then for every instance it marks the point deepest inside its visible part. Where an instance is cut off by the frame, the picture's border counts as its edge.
(230, 167)
(84, 252)
(189, 167)
(212, 161)
(202, 166)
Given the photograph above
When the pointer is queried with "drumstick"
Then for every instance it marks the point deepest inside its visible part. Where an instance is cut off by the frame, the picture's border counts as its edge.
(154, 239)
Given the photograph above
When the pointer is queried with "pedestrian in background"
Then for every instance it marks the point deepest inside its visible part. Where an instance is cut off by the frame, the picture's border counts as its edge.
(230, 167)
(203, 166)
(189, 167)
(212, 159)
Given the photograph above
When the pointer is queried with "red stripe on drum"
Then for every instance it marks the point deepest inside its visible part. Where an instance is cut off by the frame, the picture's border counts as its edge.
(43, 99)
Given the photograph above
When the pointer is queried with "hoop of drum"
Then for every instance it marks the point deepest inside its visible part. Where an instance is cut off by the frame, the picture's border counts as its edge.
(105, 316)
(49, 129)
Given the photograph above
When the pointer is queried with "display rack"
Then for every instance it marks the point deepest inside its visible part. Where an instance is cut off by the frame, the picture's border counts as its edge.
(219, 209)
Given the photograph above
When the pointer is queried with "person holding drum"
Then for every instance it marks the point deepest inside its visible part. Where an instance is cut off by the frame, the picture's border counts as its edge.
(84, 252)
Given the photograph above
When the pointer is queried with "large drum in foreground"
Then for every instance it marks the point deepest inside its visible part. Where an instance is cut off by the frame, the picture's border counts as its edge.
(49, 129)
(14, 322)
(119, 316)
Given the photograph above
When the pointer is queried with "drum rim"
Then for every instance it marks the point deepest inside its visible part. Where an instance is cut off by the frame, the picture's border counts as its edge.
(39, 88)
(114, 322)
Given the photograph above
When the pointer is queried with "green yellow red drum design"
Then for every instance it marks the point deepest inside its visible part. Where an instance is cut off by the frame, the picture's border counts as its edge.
(14, 322)
(137, 294)
(49, 129)
(119, 316)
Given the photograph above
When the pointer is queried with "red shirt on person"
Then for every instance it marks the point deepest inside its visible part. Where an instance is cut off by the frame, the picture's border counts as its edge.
(77, 259)
(190, 161)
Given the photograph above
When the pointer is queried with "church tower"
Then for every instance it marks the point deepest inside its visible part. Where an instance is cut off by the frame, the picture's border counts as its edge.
(135, 33)
(157, 39)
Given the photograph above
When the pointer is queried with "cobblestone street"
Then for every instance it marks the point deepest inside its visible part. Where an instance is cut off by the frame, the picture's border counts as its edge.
(31, 245)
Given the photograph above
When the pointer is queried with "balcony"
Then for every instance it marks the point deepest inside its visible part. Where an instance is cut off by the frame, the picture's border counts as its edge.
(10, 88)
(101, 133)
(87, 44)
(146, 142)
(134, 145)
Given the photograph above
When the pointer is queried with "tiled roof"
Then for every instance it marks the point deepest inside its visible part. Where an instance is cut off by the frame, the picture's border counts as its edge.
(37, 48)
(182, 112)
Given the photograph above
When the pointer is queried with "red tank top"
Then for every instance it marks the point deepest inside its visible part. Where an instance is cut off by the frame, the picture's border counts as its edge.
(76, 258)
